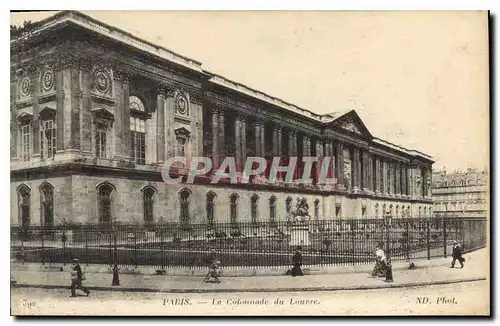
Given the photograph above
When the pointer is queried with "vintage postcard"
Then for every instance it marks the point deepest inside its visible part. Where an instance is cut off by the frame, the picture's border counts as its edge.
(314, 163)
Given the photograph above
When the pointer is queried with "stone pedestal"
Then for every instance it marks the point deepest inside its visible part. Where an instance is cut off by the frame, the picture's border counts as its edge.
(299, 236)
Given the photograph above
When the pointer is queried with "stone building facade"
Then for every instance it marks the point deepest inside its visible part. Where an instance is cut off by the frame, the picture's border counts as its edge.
(460, 194)
(95, 112)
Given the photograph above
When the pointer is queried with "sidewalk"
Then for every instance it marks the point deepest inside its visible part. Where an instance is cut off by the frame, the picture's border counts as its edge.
(476, 268)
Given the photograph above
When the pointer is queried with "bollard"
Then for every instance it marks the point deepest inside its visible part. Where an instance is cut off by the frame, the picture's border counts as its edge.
(116, 277)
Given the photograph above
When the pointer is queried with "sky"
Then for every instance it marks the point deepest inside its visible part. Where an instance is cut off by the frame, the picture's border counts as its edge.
(417, 79)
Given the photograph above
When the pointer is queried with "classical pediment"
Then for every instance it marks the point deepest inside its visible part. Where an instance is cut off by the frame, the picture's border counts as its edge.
(24, 118)
(182, 132)
(103, 115)
(351, 123)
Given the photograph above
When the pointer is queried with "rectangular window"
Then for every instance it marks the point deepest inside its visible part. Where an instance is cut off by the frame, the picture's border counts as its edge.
(26, 142)
(181, 146)
(100, 142)
(47, 139)
(138, 140)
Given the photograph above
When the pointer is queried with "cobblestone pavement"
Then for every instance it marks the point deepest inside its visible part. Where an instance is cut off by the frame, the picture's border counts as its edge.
(476, 267)
(471, 298)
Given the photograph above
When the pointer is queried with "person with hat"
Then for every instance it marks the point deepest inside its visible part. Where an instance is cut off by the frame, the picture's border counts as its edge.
(297, 262)
(77, 277)
(457, 255)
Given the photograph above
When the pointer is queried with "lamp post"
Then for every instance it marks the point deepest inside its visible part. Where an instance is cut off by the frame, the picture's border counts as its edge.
(388, 272)
(116, 276)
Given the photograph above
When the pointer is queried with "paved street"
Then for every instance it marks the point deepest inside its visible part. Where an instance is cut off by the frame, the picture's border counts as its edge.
(461, 299)
(476, 267)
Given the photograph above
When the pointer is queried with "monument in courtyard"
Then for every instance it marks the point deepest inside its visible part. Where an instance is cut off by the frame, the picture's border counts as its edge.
(299, 231)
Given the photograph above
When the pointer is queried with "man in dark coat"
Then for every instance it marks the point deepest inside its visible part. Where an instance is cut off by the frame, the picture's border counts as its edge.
(457, 255)
(297, 262)
(77, 278)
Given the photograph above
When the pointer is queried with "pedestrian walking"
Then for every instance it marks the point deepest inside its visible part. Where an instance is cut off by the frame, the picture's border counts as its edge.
(297, 262)
(213, 269)
(457, 255)
(380, 263)
(77, 277)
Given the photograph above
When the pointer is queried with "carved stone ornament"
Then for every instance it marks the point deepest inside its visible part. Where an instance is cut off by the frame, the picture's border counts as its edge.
(350, 125)
(182, 103)
(101, 81)
(47, 81)
(25, 86)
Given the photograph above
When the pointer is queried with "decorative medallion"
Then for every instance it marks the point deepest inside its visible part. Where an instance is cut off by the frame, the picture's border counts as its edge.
(48, 79)
(182, 104)
(101, 81)
(25, 86)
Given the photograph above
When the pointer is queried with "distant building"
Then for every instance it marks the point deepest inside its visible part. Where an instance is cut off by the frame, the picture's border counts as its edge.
(460, 194)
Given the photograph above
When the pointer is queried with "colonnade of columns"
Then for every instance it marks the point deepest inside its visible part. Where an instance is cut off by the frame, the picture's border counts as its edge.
(370, 172)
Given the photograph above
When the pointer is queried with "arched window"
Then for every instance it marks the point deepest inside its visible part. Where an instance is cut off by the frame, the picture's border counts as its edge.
(425, 211)
(105, 191)
(184, 196)
(397, 211)
(288, 205)
(430, 211)
(419, 211)
(24, 199)
(137, 130)
(234, 208)
(148, 204)
(254, 200)
(210, 207)
(47, 204)
(377, 209)
(316, 209)
(272, 210)
(391, 210)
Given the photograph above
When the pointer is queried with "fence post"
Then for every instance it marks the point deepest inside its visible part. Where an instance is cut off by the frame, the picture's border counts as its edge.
(43, 247)
(353, 242)
(162, 247)
(428, 240)
(444, 237)
(87, 245)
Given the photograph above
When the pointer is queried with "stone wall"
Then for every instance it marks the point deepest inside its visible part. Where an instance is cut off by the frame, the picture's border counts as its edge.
(76, 198)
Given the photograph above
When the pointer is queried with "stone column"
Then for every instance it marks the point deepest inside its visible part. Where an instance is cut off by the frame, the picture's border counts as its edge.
(58, 75)
(160, 125)
(320, 155)
(243, 124)
(280, 138)
(364, 171)
(262, 139)
(305, 147)
(125, 140)
(385, 182)
(370, 172)
(34, 75)
(398, 180)
(257, 138)
(14, 127)
(222, 138)
(291, 147)
(275, 140)
(339, 166)
(403, 180)
(215, 138)
(377, 185)
(237, 143)
(355, 169)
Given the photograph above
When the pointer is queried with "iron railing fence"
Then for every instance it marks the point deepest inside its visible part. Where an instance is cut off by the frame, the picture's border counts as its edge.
(324, 242)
